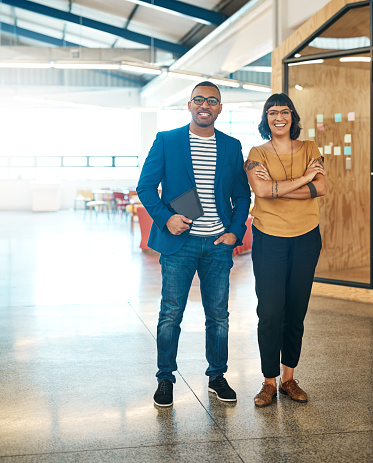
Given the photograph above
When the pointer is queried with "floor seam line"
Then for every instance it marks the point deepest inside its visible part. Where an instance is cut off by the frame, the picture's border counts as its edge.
(195, 395)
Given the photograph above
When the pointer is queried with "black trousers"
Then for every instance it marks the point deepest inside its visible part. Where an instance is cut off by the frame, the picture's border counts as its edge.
(284, 269)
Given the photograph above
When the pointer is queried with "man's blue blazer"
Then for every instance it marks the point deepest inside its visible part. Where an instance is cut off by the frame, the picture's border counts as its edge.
(169, 163)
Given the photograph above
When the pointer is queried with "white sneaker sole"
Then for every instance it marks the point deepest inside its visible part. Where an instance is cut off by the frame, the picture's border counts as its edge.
(163, 405)
(220, 398)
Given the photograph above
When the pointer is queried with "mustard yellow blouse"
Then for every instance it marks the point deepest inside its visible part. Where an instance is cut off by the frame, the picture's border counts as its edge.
(283, 216)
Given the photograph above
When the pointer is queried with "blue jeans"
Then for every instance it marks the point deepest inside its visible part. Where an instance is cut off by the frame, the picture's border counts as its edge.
(213, 264)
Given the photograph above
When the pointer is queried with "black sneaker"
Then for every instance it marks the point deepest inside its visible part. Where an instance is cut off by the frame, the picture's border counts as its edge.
(220, 387)
(163, 396)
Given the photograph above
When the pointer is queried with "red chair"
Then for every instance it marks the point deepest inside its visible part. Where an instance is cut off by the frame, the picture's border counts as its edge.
(145, 222)
(247, 239)
(121, 201)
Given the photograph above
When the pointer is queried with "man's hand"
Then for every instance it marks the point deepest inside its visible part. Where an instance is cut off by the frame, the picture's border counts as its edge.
(226, 238)
(177, 224)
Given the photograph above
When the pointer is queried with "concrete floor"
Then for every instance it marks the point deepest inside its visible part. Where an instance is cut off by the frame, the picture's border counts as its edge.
(78, 314)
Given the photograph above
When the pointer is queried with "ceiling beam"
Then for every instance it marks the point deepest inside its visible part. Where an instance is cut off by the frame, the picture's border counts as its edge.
(35, 36)
(97, 25)
(129, 19)
(197, 13)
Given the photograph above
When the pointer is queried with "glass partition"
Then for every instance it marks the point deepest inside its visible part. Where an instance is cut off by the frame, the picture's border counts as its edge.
(333, 98)
(351, 30)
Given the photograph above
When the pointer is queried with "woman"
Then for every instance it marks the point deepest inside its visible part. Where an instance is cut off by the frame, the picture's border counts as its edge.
(286, 175)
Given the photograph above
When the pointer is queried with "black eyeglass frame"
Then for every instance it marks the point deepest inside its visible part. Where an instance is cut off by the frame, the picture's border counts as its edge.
(278, 112)
(206, 99)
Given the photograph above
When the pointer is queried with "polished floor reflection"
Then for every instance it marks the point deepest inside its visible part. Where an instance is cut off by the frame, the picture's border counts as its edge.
(78, 313)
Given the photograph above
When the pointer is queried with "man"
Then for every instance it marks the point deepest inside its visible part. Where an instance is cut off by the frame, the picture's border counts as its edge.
(199, 156)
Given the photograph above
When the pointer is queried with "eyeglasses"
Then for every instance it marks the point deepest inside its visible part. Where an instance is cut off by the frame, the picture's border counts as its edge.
(211, 101)
(274, 114)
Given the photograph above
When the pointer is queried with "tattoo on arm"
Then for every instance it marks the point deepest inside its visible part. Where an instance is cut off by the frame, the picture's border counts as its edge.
(313, 190)
(274, 189)
(250, 165)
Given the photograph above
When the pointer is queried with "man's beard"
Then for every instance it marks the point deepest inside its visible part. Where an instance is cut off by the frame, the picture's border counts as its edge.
(204, 124)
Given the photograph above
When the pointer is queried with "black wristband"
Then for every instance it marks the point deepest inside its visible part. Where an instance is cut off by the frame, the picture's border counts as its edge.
(313, 190)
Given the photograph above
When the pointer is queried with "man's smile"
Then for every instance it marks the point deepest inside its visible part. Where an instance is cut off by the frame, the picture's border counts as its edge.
(204, 113)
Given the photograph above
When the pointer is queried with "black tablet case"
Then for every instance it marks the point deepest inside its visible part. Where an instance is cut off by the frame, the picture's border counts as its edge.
(188, 204)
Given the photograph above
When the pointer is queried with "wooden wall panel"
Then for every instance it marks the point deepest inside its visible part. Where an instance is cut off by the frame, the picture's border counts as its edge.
(331, 88)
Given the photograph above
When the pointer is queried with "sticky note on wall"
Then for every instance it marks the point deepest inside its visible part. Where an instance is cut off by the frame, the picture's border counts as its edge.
(327, 149)
(347, 150)
(351, 116)
(319, 118)
(348, 138)
(311, 133)
(337, 151)
(338, 117)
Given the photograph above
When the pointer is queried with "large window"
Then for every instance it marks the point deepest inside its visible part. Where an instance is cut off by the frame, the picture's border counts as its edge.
(68, 143)
(329, 80)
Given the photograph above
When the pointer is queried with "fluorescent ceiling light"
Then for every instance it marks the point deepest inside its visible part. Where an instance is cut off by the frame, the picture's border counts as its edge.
(28, 65)
(257, 68)
(50, 102)
(169, 11)
(141, 68)
(298, 87)
(187, 76)
(98, 66)
(311, 61)
(355, 59)
(226, 82)
(257, 88)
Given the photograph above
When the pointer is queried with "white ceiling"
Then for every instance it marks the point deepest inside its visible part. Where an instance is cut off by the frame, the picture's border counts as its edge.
(149, 34)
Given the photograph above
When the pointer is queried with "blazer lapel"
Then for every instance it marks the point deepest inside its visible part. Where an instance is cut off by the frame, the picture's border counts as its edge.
(220, 155)
(186, 153)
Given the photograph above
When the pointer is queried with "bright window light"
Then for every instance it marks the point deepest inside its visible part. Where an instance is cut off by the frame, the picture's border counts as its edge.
(78, 161)
(126, 161)
(49, 161)
(21, 161)
(100, 161)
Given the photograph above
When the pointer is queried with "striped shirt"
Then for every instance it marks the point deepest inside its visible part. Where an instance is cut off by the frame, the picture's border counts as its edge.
(203, 152)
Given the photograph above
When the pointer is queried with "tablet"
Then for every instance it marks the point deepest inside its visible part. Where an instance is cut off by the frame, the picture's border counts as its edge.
(188, 204)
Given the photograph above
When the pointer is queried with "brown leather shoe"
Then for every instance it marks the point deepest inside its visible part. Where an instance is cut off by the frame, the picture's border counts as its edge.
(292, 389)
(265, 395)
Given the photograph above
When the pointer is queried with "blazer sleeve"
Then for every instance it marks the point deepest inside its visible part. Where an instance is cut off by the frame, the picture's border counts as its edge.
(151, 176)
(241, 197)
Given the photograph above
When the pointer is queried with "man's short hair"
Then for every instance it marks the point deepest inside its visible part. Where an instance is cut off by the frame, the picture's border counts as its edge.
(207, 83)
